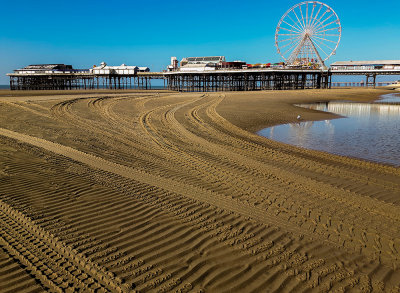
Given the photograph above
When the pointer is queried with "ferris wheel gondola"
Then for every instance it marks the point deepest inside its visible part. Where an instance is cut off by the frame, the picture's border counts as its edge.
(308, 33)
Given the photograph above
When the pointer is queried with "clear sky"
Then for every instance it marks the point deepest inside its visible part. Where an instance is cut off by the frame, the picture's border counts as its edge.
(148, 33)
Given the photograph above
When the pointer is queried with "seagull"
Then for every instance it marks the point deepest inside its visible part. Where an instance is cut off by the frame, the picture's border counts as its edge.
(298, 117)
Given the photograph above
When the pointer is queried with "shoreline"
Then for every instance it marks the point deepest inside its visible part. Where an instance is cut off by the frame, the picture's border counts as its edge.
(255, 117)
(315, 147)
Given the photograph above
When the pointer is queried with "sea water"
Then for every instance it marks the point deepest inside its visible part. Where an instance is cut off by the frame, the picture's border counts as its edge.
(369, 131)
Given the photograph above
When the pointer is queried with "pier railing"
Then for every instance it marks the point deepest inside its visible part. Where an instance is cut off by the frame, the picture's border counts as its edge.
(359, 83)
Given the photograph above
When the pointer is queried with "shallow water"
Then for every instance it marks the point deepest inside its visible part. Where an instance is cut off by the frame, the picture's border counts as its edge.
(389, 98)
(368, 131)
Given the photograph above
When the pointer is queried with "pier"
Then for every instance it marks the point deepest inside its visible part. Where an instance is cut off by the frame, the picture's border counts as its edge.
(203, 78)
(76, 79)
(218, 80)
(247, 80)
(370, 69)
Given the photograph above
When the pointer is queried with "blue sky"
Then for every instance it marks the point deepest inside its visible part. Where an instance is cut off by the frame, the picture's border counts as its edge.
(148, 33)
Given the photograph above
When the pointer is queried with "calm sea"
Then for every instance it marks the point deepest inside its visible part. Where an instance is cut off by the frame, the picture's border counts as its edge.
(4, 87)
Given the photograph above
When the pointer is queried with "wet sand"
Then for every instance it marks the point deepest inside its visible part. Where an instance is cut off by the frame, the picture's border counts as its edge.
(173, 192)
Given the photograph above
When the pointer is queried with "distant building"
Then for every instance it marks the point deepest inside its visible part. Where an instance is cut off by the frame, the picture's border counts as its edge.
(202, 60)
(366, 65)
(201, 63)
(174, 64)
(198, 67)
(232, 65)
(143, 69)
(103, 68)
(45, 68)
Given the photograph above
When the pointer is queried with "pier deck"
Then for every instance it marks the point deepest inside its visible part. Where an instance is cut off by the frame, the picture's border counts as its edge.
(200, 81)
(216, 80)
(247, 80)
(81, 80)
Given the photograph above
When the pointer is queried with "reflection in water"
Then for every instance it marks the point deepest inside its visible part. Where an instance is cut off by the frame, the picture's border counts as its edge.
(369, 131)
(389, 98)
(356, 109)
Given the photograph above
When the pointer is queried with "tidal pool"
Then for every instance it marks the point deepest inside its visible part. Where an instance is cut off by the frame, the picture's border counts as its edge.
(369, 131)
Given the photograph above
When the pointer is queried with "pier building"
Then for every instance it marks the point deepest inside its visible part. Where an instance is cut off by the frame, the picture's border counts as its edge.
(200, 64)
(373, 65)
(65, 77)
(44, 68)
(370, 69)
(202, 60)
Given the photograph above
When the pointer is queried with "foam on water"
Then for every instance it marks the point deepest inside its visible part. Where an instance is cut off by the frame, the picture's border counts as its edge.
(368, 131)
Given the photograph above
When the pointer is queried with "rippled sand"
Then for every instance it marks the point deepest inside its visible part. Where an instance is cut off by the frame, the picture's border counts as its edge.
(173, 192)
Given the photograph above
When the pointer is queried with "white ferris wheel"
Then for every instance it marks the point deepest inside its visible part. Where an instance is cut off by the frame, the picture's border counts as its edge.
(308, 33)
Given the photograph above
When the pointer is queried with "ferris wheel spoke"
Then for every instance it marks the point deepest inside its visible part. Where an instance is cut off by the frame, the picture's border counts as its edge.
(324, 39)
(289, 30)
(330, 29)
(288, 44)
(319, 19)
(325, 45)
(302, 17)
(306, 15)
(288, 39)
(309, 18)
(311, 15)
(322, 43)
(328, 35)
(324, 26)
(298, 19)
(293, 46)
(315, 18)
(295, 23)
(322, 22)
(321, 49)
(292, 26)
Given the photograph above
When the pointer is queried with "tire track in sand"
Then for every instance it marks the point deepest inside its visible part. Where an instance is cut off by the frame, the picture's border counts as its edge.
(164, 183)
(258, 246)
(327, 198)
(55, 265)
(288, 262)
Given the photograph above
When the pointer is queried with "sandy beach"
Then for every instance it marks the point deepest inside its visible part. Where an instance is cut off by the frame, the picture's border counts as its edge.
(156, 191)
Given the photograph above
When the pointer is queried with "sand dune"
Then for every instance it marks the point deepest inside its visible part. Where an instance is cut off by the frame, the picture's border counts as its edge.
(174, 192)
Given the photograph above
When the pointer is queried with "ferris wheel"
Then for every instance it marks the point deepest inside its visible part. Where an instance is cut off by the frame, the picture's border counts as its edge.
(308, 33)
